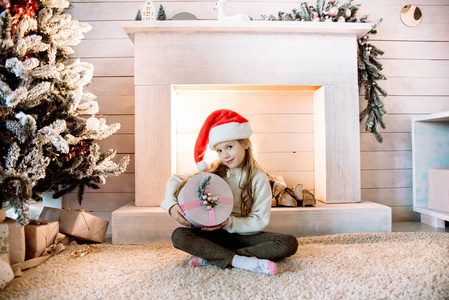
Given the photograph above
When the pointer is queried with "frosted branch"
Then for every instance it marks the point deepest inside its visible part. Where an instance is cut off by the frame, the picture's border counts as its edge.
(12, 157)
(16, 97)
(88, 108)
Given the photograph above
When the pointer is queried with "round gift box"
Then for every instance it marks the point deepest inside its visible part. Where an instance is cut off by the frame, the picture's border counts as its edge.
(195, 211)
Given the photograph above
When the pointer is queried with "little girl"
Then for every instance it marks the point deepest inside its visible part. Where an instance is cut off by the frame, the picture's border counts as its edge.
(239, 241)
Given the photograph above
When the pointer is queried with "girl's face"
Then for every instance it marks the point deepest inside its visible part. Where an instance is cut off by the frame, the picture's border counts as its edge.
(231, 153)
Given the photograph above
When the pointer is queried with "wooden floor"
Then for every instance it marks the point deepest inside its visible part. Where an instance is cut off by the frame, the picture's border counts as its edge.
(415, 227)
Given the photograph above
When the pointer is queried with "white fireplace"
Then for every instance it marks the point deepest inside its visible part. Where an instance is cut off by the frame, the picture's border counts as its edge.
(318, 56)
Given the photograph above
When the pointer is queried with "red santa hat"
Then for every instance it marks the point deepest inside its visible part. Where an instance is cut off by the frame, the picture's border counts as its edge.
(220, 126)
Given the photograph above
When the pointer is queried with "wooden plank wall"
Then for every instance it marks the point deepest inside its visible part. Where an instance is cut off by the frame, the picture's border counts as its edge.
(416, 62)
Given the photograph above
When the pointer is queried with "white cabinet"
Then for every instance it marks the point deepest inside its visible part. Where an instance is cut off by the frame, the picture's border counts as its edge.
(430, 146)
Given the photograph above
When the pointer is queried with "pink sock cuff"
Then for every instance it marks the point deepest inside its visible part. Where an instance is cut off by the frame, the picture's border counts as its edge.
(193, 262)
(272, 267)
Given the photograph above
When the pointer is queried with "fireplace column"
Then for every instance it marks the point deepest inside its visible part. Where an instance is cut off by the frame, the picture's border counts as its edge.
(153, 146)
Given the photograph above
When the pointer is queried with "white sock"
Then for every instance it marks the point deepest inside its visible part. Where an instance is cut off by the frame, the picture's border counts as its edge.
(254, 264)
(198, 261)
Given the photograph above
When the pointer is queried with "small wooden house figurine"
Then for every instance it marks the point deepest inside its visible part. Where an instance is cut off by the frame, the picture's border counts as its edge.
(148, 11)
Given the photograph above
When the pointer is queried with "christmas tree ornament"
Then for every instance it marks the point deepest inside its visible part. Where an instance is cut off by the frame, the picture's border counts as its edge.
(92, 123)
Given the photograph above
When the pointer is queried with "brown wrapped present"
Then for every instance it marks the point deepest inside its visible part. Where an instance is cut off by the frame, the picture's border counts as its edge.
(4, 257)
(62, 239)
(50, 214)
(83, 225)
(39, 235)
(2, 215)
(16, 241)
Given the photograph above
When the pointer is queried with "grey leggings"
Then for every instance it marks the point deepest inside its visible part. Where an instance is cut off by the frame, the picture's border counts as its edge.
(219, 247)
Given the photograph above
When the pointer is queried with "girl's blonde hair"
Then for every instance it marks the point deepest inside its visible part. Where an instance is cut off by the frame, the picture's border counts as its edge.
(249, 167)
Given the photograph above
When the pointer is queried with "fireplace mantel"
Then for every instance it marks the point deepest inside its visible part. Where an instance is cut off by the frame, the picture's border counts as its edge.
(358, 29)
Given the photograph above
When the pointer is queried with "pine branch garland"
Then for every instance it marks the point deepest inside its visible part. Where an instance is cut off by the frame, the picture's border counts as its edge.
(368, 64)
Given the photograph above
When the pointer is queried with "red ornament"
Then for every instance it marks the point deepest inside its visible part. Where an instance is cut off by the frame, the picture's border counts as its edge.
(331, 1)
(21, 9)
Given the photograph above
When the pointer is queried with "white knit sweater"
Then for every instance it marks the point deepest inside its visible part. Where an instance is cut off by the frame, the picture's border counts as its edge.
(259, 216)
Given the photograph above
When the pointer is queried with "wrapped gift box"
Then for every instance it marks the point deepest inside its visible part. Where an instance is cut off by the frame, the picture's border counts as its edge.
(438, 197)
(4, 239)
(39, 235)
(195, 204)
(50, 214)
(83, 225)
(17, 247)
(4, 257)
(2, 215)
(6, 274)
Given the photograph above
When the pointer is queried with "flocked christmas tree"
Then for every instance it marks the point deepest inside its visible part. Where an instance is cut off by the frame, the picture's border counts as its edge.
(369, 66)
(46, 141)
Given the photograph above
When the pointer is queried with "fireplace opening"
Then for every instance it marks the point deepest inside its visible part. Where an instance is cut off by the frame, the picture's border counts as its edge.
(281, 116)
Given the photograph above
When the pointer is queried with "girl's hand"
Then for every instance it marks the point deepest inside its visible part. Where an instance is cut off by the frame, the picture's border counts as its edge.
(177, 214)
(217, 227)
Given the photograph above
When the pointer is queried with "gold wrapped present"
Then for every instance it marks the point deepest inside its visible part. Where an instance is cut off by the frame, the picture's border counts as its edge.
(6, 274)
(39, 235)
(50, 214)
(83, 225)
(4, 239)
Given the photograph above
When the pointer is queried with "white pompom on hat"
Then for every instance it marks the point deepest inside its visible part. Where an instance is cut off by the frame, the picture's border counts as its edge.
(220, 126)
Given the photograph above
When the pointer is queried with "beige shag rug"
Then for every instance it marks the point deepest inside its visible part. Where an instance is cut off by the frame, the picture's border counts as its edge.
(343, 266)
